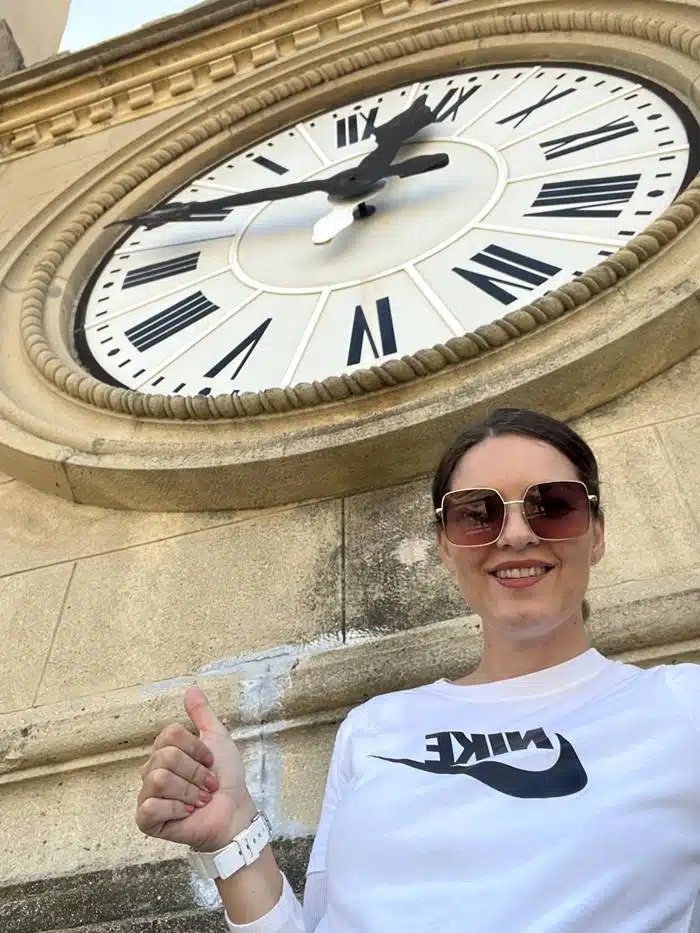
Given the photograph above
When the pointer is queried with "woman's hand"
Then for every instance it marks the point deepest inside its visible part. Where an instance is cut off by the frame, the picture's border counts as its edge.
(179, 801)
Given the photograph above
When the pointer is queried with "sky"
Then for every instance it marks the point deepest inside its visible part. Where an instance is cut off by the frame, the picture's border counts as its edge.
(91, 21)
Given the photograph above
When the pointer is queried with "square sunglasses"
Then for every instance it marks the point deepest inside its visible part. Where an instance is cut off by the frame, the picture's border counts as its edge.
(555, 511)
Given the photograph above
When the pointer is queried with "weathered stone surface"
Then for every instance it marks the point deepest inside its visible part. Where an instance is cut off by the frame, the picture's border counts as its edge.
(11, 59)
(30, 607)
(393, 575)
(150, 898)
(681, 440)
(649, 527)
(169, 608)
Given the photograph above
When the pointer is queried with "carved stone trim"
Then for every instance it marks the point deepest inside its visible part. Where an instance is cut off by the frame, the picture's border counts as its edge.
(92, 731)
(77, 384)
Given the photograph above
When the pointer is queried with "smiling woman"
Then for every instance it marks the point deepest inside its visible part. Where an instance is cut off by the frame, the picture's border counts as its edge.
(509, 799)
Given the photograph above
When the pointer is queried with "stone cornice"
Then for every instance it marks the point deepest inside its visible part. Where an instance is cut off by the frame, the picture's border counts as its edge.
(167, 63)
(304, 691)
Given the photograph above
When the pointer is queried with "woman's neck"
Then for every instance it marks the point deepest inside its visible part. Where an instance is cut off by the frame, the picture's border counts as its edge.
(503, 658)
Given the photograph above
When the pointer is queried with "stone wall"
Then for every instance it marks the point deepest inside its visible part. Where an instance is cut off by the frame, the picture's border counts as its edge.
(10, 53)
(287, 617)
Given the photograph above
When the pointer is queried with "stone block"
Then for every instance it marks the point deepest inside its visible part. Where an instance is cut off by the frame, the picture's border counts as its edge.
(300, 766)
(169, 608)
(393, 575)
(682, 442)
(41, 529)
(650, 530)
(674, 394)
(31, 605)
(11, 59)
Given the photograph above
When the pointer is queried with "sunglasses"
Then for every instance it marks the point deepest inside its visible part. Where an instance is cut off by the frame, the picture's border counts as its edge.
(553, 512)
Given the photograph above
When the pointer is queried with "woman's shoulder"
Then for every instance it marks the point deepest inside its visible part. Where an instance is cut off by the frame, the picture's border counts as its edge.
(387, 709)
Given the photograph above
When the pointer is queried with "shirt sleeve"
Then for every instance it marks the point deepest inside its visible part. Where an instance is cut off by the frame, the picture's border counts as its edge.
(684, 682)
(285, 917)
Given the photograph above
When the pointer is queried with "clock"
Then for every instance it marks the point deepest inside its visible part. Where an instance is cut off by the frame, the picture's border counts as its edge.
(516, 179)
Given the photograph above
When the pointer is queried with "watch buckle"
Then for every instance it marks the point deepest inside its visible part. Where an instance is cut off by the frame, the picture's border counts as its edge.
(246, 852)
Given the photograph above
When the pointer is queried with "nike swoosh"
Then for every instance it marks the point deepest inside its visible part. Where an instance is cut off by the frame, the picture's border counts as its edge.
(566, 776)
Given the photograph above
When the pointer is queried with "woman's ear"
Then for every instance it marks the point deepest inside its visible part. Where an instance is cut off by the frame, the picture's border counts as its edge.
(445, 555)
(598, 549)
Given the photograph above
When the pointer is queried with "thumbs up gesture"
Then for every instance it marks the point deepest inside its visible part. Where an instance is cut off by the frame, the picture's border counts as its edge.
(194, 789)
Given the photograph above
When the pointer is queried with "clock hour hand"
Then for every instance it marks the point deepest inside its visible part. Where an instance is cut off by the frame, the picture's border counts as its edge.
(344, 184)
(346, 211)
(390, 136)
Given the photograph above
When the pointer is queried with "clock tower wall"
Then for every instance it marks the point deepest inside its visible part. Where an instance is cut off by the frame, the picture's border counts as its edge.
(290, 613)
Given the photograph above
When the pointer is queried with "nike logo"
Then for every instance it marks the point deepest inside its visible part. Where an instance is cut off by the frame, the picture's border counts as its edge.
(566, 776)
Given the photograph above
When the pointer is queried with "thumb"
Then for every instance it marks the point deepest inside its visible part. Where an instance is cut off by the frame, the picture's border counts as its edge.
(201, 713)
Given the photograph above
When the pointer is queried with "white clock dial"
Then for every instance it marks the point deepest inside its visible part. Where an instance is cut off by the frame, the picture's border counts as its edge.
(551, 168)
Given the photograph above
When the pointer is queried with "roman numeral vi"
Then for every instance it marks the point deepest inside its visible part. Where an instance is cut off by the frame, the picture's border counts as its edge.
(361, 331)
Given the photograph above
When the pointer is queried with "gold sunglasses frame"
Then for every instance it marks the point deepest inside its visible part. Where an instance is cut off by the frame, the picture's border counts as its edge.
(592, 500)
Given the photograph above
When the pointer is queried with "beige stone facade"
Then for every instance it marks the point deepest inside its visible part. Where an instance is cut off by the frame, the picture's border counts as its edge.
(36, 25)
(116, 591)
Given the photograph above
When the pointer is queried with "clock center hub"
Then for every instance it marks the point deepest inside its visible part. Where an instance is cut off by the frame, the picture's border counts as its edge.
(414, 217)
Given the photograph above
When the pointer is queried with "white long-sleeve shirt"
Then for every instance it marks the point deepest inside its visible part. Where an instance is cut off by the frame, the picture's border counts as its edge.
(563, 801)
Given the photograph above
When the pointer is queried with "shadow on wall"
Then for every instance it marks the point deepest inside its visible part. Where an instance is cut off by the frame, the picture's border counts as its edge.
(11, 59)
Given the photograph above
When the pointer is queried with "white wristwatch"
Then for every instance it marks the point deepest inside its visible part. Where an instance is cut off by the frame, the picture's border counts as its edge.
(244, 850)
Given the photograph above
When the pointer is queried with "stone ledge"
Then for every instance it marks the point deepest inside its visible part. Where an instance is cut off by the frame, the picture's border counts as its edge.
(648, 621)
(151, 898)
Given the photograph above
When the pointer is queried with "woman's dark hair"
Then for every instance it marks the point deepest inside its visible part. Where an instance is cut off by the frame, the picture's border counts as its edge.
(526, 423)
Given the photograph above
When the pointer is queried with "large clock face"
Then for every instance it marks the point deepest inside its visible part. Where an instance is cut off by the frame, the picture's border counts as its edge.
(551, 168)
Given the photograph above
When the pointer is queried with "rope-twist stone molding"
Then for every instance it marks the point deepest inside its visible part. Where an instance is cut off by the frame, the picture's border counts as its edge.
(80, 385)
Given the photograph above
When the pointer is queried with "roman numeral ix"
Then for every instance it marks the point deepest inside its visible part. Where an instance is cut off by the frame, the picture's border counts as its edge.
(515, 271)
(161, 270)
(589, 197)
(565, 145)
(171, 321)
(362, 330)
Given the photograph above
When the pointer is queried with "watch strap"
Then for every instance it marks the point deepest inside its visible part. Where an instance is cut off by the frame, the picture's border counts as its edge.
(243, 850)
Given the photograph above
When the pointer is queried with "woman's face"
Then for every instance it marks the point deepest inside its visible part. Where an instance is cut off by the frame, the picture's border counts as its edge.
(510, 463)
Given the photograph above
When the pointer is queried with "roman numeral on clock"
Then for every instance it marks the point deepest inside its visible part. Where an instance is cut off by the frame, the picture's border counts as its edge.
(515, 271)
(565, 145)
(361, 330)
(449, 106)
(549, 98)
(171, 321)
(585, 197)
(243, 349)
(349, 131)
(161, 270)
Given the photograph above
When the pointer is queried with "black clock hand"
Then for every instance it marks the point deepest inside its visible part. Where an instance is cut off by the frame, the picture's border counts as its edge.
(344, 184)
(390, 136)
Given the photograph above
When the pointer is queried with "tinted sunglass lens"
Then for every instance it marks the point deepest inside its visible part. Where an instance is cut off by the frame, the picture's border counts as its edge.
(557, 511)
(473, 516)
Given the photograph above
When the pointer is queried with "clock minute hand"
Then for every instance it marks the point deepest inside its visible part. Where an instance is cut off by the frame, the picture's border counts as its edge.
(343, 184)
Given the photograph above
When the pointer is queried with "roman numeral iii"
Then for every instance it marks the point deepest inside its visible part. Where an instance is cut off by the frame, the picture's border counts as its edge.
(515, 271)
(361, 330)
(585, 197)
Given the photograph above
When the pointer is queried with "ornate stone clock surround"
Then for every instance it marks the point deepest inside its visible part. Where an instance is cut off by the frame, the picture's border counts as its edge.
(377, 426)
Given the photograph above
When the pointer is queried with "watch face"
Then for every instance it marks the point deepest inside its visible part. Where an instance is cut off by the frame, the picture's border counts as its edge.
(551, 169)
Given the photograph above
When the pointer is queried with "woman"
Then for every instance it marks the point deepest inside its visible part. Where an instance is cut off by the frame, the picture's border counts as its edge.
(549, 791)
